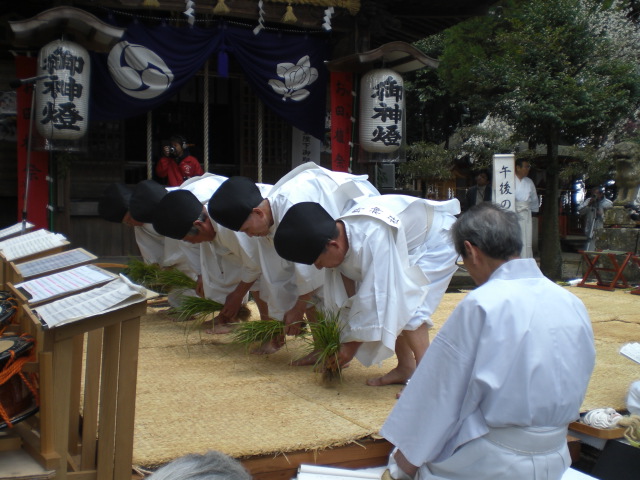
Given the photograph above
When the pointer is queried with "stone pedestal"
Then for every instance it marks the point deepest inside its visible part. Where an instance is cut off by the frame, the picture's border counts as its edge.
(618, 217)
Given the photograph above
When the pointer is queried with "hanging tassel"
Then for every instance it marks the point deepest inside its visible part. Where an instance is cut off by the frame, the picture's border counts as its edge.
(189, 6)
(288, 16)
(151, 3)
(260, 25)
(327, 19)
(221, 8)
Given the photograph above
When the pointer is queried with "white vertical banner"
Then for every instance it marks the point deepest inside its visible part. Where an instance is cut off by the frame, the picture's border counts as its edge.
(503, 184)
(304, 148)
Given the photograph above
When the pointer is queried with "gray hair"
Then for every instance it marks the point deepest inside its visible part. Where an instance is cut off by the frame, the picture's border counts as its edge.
(212, 465)
(494, 231)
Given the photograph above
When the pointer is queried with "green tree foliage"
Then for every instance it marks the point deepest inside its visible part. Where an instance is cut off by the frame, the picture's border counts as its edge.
(434, 111)
(555, 69)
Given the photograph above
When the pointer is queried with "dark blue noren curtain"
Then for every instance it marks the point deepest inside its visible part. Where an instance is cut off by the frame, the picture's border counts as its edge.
(150, 64)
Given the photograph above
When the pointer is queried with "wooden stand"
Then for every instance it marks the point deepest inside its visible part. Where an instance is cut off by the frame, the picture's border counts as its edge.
(60, 441)
(611, 265)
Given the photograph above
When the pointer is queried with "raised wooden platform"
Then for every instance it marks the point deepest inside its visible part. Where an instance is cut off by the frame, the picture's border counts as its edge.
(369, 453)
(372, 452)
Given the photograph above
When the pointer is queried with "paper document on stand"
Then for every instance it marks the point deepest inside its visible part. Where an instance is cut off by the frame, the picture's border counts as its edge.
(24, 238)
(32, 245)
(632, 351)
(15, 229)
(64, 282)
(114, 295)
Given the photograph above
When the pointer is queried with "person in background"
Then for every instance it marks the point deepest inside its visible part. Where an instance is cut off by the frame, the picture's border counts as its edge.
(480, 192)
(508, 371)
(212, 465)
(592, 209)
(177, 165)
(526, 204)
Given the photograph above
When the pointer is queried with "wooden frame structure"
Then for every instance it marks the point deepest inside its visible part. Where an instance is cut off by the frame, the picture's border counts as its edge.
(87, 388)
(605, 261)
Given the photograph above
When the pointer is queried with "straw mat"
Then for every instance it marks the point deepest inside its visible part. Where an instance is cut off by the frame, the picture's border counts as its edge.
(198, 392)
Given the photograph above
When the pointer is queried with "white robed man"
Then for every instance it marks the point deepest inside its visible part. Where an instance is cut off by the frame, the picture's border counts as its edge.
(290, 290)
(387, 264)
(134, 206)
(504, 376)
(225, 260)
(526, 203)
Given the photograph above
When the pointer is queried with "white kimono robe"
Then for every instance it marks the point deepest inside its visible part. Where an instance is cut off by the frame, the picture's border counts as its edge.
(402, 259)
(516, 352)
(231, 257)
(526, 202)
(285, 281)
(150, 243)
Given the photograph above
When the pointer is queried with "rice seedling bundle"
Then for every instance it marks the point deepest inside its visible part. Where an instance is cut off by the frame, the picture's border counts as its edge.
(257, 332)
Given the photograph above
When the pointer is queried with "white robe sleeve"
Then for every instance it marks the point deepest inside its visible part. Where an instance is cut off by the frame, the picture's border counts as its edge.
(447, 369)
(150, 243)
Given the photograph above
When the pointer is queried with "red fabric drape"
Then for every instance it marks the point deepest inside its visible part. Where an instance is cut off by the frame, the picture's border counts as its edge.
(341, 113)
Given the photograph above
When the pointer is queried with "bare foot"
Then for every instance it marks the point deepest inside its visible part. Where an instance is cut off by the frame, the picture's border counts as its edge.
(220, 329)
(269, 347)
(220, 325)
(396, 376)
(309, 359)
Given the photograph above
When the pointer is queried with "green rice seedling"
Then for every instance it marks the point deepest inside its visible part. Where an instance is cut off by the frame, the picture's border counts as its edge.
(170, 278)
(143, 273)
(197, 308)
(157, 278)
(257, 332)
(325, 342)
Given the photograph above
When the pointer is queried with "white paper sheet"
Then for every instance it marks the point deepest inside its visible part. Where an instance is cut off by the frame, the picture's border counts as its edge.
(65, 282)
(15, 229)
(53, 262)
(632, 351)
(30, 246)
(23, 238)
(316, 473)
(116, 294)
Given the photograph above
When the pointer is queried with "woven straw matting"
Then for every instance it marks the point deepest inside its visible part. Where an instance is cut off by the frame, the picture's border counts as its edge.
(198, 392)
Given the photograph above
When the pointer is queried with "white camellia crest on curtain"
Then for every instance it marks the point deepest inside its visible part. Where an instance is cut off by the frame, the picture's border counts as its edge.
(296, 77)
(62, 101)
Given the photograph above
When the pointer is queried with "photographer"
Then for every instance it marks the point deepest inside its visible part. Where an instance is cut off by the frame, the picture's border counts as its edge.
(177, 165)
(593, 210)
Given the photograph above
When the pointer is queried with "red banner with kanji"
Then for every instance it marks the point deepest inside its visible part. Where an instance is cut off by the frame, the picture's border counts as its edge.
(38, 198)
(341, 114)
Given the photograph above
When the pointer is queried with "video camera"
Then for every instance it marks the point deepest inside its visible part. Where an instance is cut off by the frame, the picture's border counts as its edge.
(167, 144)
